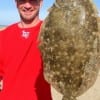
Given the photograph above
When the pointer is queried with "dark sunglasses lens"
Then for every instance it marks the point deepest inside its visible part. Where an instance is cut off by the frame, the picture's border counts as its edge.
(34, 1)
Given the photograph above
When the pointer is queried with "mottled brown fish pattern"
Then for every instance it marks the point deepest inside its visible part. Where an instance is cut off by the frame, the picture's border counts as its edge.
(70, 47)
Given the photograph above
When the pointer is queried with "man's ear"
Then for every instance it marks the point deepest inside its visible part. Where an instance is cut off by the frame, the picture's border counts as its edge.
(16, 3)
(41, 3)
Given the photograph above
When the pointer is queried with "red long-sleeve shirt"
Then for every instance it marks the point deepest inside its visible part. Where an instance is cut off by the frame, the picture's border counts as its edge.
(21, 65)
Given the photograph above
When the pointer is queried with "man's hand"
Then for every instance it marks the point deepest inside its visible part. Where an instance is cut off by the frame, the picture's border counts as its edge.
(1, 85)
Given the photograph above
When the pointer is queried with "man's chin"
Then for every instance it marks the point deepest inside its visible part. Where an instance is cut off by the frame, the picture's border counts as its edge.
(28, 19)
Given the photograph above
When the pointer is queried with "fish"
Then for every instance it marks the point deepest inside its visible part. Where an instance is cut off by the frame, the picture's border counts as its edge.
(70, 47)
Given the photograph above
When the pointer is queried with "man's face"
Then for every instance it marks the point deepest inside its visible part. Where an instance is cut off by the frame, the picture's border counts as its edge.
(28, 9)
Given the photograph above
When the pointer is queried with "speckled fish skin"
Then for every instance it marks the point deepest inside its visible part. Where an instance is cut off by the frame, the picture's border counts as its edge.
(70, 47)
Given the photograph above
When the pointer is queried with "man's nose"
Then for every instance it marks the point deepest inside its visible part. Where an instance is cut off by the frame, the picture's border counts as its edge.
(27, 5)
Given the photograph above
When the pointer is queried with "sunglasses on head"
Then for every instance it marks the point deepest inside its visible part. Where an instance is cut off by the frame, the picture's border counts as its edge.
(31, 1)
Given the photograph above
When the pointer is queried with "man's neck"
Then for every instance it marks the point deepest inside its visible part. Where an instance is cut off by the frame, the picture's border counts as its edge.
(23, 24)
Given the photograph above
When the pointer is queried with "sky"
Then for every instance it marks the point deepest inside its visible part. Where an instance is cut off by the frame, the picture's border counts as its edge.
(9, 13)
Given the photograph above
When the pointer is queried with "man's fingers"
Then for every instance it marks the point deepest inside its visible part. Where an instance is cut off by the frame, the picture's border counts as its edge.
(1, 85)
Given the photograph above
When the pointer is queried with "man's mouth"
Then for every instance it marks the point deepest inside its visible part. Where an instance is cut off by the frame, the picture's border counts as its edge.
(25, 10)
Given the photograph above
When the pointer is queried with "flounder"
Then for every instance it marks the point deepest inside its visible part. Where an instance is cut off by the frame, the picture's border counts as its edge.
(70, 47)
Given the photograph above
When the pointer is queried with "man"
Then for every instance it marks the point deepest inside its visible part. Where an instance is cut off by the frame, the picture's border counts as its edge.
(21, 71)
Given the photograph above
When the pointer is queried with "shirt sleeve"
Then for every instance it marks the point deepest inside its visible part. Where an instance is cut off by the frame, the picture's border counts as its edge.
(1, 56)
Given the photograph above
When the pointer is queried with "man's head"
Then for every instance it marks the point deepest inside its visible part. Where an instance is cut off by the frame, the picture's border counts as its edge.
(28, 9)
